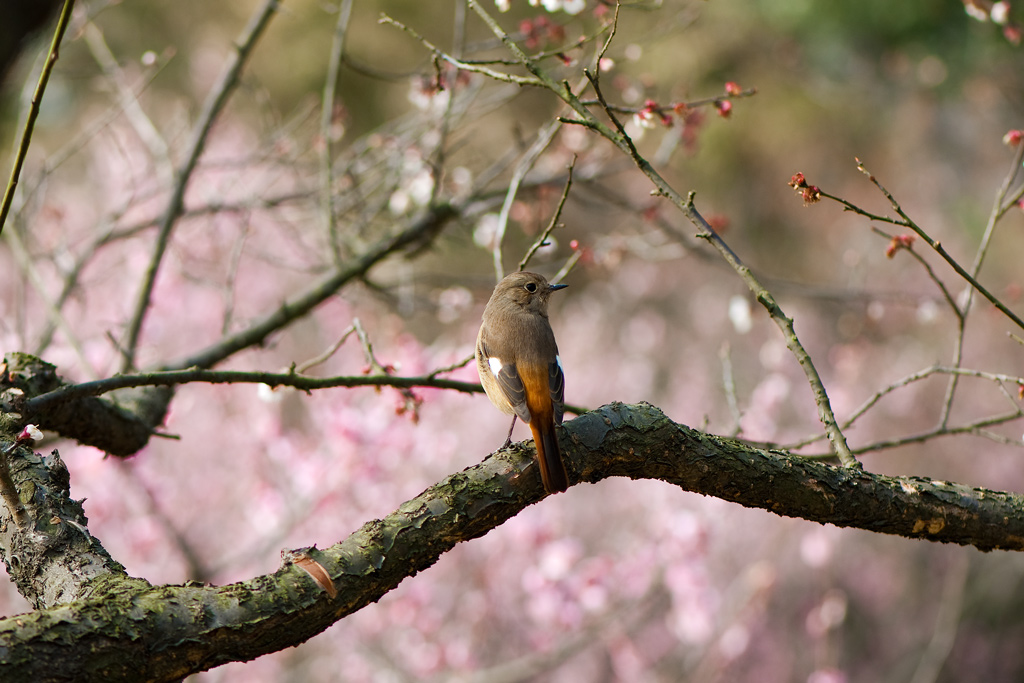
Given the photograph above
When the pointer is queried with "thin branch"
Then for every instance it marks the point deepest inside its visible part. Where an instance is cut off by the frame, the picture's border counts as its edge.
(979, 257)
(543, 239)
(569, 264)
(905, 221)
(167, 378)
(999, 379)
(175, 377)
(426, 226)
(688, 104)
(326, 123)
(128, 102)
(375, 367)
(218, 97)
(326, 355)
(454, 366)
(931, 274)
(33, 111)
(975, 427)
(729, 385)
(465, 66)
(54, 316)
(686, 206)
(525, 165)
(949, 611)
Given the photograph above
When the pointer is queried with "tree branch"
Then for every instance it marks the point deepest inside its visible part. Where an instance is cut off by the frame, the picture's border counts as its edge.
(173, 631)
(214, 104)
(33, 111)
(624, 143)
(421, 230)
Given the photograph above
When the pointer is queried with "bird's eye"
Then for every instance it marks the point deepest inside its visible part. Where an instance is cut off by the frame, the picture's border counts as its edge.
(531, 286)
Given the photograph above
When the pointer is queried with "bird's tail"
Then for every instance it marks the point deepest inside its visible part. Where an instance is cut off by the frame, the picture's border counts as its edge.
(552, 469)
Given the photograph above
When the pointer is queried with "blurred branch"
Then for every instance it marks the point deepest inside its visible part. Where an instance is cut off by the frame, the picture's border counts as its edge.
(33, 111)
(179, 630)
(129, 102)
(111, 235)
(905, 221)
(215, 102)
(326, 123)
(570, 263)
(729, 386)
(424, 228)
(55, 319)
(949, 608)
(999, 208)
(553, 223)
(544, 138)
(942, 430)
(893, 239)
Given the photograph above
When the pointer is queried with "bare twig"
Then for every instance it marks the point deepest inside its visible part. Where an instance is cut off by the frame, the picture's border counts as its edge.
(569, 264)
(33, 111)
(465, 66)
(975, 428)
(619, 138)
(905, 221)
(326, 124)
(323, 357)
(420, 229)
(54, 316)
(454, 366)
(998, 210)
(218, 97)
(949, 604)
(129, 101)
(544, 138)
(175, 377)
(543, 239)
(999, 379)
(931, 275)
(729, 385)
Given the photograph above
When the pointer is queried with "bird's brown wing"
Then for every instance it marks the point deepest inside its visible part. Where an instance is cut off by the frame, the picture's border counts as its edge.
(556, 382)
(510, 383)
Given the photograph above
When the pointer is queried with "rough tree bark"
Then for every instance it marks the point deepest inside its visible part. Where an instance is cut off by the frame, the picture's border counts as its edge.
(123, 629)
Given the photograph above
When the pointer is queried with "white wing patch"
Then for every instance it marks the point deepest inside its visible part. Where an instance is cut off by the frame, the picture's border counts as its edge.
(495, 365)
(558, 359)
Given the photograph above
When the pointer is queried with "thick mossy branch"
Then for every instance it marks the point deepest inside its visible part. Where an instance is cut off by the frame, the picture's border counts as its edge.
(120, 423)
(130, 631)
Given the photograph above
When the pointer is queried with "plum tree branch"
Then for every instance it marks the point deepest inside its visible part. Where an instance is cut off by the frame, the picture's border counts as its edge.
(421, 229)
(624, 143)
(218, 97)
(33, 111)
(168, 632)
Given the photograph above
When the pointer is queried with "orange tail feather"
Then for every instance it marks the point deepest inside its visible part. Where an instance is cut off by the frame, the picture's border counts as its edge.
(552, 469)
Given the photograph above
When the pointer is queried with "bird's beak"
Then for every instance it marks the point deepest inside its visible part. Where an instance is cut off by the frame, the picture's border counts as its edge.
(554, 287)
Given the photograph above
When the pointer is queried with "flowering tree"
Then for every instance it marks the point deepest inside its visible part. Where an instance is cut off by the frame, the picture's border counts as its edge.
(241, 328)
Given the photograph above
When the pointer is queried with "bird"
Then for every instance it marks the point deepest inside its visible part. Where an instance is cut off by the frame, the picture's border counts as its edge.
(517, 358)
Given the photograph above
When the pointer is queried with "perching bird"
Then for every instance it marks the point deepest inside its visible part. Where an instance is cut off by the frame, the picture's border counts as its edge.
(517, 359)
